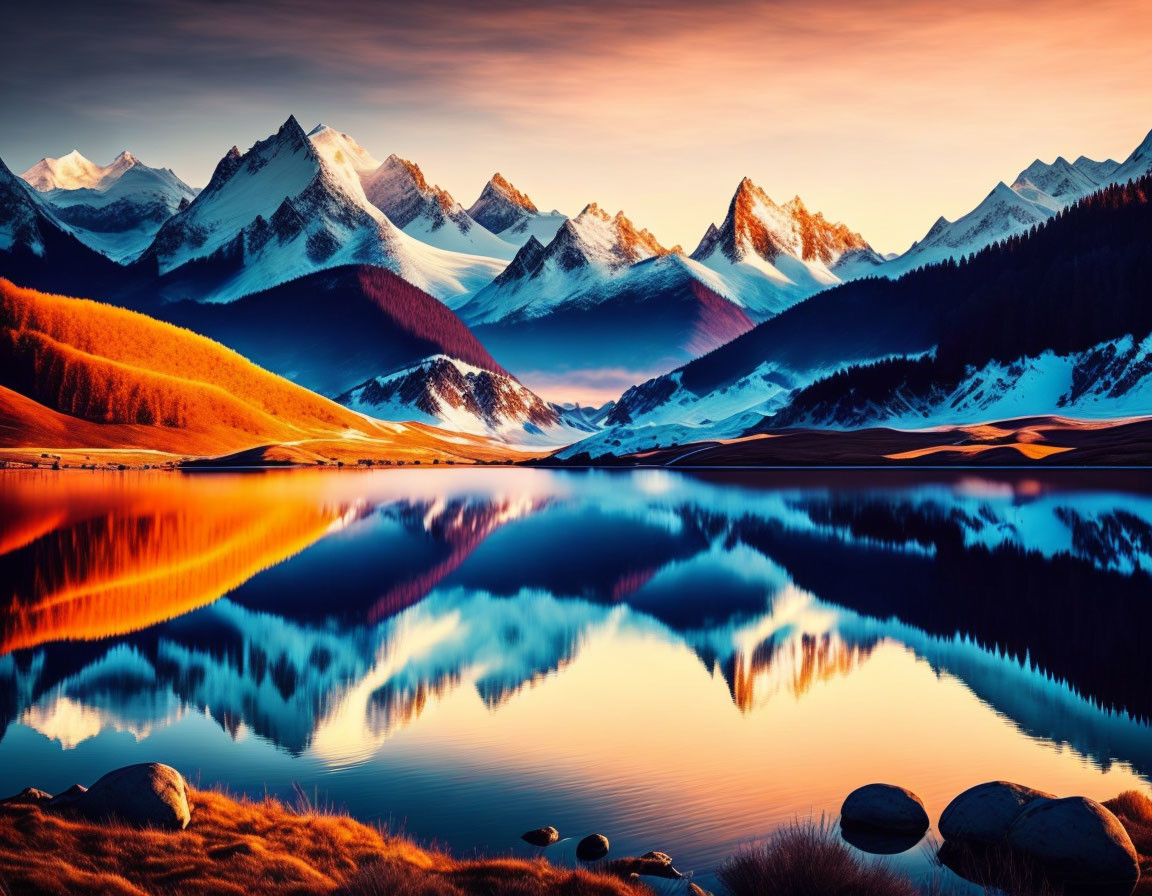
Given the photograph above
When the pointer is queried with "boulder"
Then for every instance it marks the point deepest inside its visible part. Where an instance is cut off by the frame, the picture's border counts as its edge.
(592, 848)
(652, 864)
(541, 836)
(984, 813)
(1077, 840)
(147, 795)
(884, 807)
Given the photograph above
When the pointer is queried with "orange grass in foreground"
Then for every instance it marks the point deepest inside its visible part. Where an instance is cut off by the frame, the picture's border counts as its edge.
(243, 848)
(1134, 810)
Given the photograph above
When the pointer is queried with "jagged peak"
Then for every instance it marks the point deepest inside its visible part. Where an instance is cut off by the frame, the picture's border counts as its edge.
(396, 164)
(1084, 160)
(504, 188)
(292, 126)
(225, 168)
(594, 210)
(320, 129)
(1002, 190)
(756, 225)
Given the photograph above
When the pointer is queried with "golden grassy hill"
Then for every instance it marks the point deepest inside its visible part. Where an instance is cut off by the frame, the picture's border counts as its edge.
(77, 374)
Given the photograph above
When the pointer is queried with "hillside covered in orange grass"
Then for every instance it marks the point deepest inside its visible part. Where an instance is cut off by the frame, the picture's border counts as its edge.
(78, 374)
(243, 848)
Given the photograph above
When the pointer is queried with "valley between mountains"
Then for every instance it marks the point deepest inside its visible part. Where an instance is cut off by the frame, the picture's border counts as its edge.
(313, 305)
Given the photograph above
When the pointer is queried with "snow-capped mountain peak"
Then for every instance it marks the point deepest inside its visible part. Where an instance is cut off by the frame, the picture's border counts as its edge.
(757, 226)
(499, 187)
(280, 211)
(341, 151)
(69, 172)
(1058, 180)
(595, 237)
(428, 212)
(506, 211)
(115, 208)
(1100, 172)
(399, 189)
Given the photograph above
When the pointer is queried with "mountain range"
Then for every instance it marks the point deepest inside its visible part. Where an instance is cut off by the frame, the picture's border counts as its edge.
(366, 283)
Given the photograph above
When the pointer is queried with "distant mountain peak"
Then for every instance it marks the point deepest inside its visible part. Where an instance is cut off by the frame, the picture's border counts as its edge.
(69, 172)
(611, 240)
(347, 157)
(503, 209)
(74, 172)
(755, 225)
(505, 189)
(399, 189)
(411, 169)
(292, 126)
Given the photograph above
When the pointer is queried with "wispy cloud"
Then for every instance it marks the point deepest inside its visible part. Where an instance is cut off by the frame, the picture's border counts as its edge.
(657, 106)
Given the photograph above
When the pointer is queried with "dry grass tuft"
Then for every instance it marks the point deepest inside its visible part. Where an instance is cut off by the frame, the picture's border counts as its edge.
(247, 848)
(1134, 809)
(809, 859)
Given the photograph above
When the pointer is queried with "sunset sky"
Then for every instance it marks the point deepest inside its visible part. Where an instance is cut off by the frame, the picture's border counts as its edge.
(884, 115)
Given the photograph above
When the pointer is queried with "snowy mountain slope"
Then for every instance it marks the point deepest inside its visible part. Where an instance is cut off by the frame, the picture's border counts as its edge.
(1098, 172)
(1138, 164)
(1004, 212)
(279, 212)
(1060, 180)
(446, 392)
(1109, 381)
(119, 208)
(511, 215)
(428, 212)
(39, 249)
(1040, 191)
(74, 172)
(342, 152)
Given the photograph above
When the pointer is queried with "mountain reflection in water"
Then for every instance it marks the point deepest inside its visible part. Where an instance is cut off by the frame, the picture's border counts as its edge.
(481, 652)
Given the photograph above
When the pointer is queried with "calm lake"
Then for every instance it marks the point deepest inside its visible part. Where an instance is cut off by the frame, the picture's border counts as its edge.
(680, 662)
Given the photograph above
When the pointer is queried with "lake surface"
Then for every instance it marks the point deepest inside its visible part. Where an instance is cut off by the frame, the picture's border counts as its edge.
(679, 662)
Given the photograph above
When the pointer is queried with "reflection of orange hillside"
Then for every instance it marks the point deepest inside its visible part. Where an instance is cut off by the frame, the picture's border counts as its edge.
(792, 667)
(79, 374)
(145, 553)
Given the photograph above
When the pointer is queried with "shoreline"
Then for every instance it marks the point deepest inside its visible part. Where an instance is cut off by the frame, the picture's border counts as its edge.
(143, 830)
